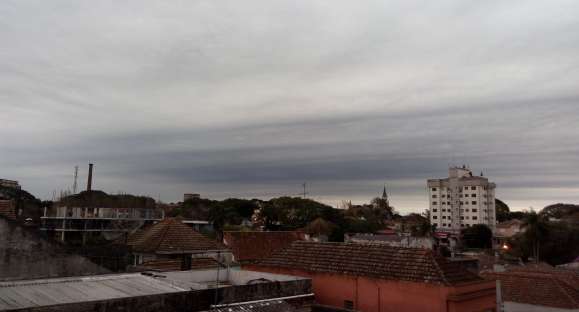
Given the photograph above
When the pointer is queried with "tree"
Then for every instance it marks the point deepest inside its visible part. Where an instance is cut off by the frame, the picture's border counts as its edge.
(559, 211)
(502, 210)
(477, 236)
(382, 210)
(536, 229)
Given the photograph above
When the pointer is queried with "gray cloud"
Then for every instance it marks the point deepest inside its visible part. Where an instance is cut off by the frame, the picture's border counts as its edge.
(251, 99)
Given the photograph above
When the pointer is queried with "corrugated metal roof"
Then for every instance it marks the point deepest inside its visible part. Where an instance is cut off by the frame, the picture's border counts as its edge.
(48, 292)
(265, 306)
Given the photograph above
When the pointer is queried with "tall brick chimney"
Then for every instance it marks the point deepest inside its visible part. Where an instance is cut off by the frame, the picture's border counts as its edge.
(89, 182)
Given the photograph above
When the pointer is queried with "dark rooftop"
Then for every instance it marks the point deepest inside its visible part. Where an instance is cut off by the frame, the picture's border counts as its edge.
(251, 246)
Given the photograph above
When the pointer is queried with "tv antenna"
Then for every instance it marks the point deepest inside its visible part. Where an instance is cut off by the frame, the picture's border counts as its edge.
(305, 193)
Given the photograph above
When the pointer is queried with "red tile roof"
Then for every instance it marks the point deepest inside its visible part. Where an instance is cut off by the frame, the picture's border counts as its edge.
(251, 246)
(376, 261)
(550, 288)
(171, 236)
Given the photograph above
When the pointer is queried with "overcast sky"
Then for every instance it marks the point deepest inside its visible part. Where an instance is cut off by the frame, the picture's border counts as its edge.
(252, 98)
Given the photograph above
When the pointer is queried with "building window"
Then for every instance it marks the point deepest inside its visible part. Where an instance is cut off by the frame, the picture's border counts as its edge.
(462, 218)
(444, 217)
(474, 217)
(348, 305)
(474, 202)
(444, 224)
(443, 203)
(433, 196)
(474, 210)
(473, 195)
(473, 188)
(448, 203)
(434, 217)
(466, 188)
(434, 189)
(443, 196)
(434, 203)
(434, 210)
(461, 203)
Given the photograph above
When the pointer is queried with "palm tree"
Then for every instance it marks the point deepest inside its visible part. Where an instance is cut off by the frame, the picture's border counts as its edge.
(536, 229)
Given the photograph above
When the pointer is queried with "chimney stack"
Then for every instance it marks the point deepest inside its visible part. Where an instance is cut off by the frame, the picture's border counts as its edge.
(89, 182)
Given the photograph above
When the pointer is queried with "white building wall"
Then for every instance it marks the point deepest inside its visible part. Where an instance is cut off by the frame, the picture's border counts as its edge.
(461, 200)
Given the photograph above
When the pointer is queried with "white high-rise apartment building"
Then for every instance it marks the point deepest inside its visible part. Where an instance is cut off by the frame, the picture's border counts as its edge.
(461, 200)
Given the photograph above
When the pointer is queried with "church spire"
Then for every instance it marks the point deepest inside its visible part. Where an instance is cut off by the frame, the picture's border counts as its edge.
(385, 194)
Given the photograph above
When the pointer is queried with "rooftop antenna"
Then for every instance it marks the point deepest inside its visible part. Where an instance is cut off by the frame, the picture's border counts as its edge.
(75, 184)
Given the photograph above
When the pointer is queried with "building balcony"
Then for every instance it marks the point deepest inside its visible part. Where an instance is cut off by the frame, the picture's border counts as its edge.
(99, 213)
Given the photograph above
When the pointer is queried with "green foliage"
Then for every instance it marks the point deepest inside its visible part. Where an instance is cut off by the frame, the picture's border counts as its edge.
(553, 242)
(102, 199)
(477, 236)
(559, 211)
(355, 225)
(502, 210)
(536, 231)
(374, 216)
(294, 212)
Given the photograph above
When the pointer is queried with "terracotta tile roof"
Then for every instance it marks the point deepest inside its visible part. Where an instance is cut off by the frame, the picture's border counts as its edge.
(550, 288)
(376, 261)
(171, 236)
(251, 246)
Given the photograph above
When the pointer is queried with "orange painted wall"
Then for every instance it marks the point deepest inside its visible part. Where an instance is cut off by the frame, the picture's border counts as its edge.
(372, 295)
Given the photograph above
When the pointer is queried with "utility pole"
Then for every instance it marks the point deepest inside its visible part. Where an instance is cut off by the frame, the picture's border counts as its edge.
(305, 193)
